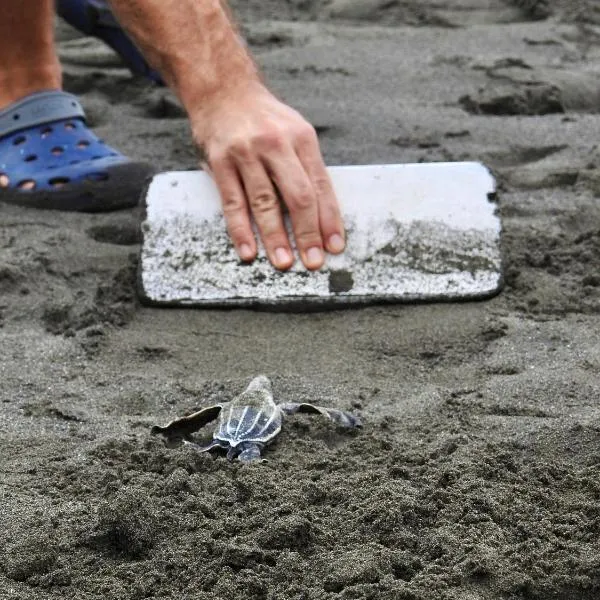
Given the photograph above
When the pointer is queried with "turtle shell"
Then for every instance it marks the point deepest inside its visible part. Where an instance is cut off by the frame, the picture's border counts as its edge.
(252, 416)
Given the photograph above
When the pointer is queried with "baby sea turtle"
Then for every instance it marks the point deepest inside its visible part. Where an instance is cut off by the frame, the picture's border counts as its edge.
(248, 423)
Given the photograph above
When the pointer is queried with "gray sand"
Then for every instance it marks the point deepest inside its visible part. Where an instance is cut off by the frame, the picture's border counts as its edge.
(477, 474)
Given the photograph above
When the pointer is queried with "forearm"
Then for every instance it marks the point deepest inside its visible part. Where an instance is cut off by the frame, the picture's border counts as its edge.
(192, 43)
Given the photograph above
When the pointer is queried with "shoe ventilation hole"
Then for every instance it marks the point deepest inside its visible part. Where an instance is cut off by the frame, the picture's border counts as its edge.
(27, 185)
(59, 181)
(83, 144)
(30, 158)
(21, 139)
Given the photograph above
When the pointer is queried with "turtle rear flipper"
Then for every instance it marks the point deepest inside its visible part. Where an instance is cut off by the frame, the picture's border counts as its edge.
(184, 427)
(251, 452)
(207, 447)
(246, 452)
(339, 417)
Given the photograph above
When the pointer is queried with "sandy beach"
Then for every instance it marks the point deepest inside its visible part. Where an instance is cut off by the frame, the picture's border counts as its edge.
(476, 475)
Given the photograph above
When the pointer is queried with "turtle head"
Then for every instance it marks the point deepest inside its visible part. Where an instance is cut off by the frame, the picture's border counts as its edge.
(260, 383)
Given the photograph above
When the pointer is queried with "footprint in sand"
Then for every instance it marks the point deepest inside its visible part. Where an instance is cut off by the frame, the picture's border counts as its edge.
(514, 157)
(514, 99)
(270, 36)
(119, 234)
(532, 10)
(89, 52)
(11, 277)
(387, 12)
(459, 13)
(160, 104)
(527, 168)
(117, 85)
(516, 88)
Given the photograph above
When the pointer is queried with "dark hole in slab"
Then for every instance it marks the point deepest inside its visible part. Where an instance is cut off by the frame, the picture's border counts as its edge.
(340, 281)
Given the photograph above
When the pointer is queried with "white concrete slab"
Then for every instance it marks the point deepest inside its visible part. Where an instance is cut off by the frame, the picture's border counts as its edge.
(416, 232)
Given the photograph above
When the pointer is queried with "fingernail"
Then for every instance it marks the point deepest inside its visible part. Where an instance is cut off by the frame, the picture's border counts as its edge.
(314, 256)
(336, 243)
(282, 257)
(245, 252)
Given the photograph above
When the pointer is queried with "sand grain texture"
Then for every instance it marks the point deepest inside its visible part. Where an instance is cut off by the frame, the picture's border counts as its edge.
(477, 474)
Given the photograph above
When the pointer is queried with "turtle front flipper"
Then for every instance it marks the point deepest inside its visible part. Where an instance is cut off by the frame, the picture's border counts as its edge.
(339, 417)
(184, 427)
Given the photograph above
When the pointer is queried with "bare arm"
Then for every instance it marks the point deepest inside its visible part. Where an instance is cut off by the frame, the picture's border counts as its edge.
(192, 43)
(255, 145)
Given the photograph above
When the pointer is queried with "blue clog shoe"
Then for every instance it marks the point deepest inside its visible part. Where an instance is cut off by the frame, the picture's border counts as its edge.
(49, 159)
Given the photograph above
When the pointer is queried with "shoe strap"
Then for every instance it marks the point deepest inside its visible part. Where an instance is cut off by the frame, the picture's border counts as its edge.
(102, 14)
(38, 109)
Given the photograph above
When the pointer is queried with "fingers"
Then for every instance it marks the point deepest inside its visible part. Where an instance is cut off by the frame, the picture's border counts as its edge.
(299, 196)
(235, 208)
(330, 218)
(264, 205)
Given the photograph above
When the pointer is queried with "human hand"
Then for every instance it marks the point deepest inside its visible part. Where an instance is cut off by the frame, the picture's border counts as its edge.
(259, 150)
